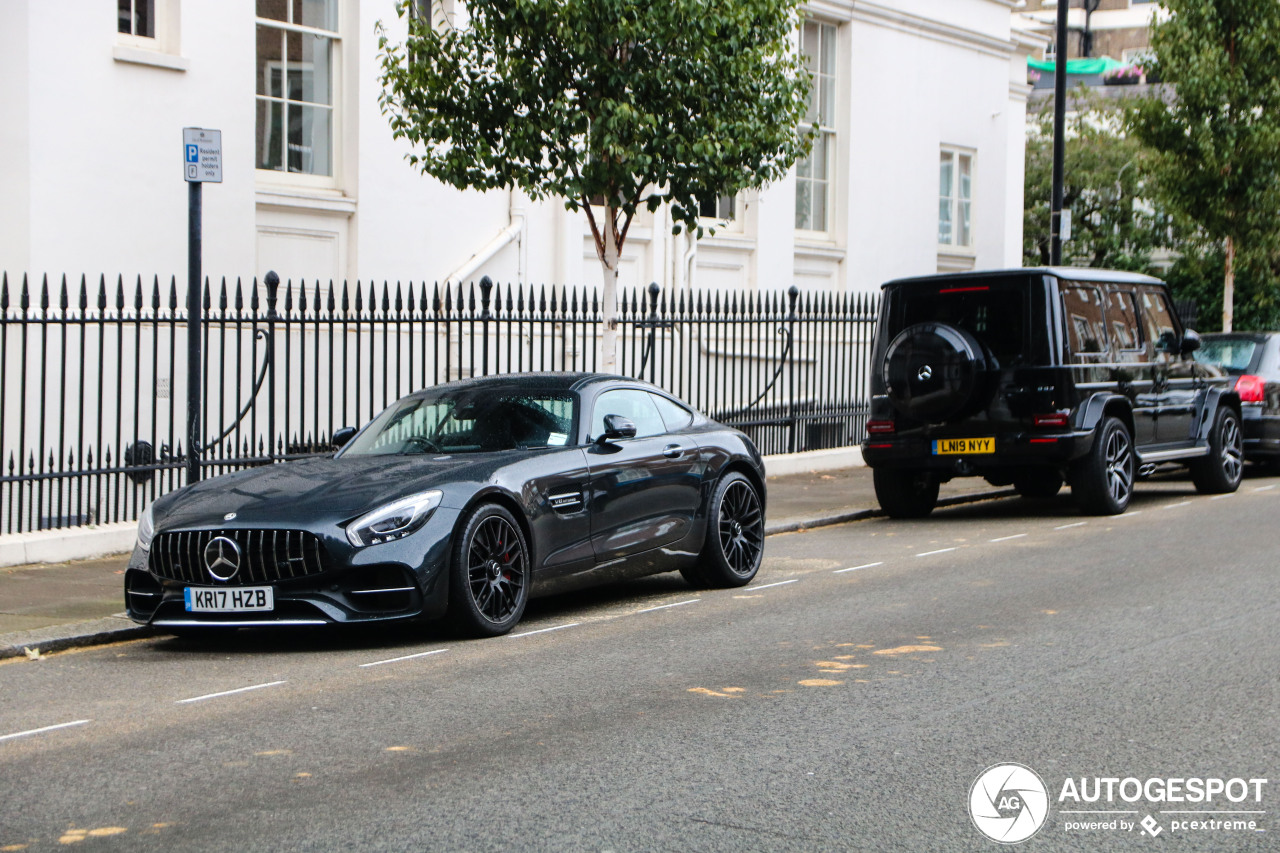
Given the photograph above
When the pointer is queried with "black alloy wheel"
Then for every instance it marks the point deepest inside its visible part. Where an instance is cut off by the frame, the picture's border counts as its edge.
(1221, 470)
(1102, 481)
(489, 582)
(734, 546)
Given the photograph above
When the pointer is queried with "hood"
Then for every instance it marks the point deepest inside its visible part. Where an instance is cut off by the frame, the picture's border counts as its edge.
(311, 491)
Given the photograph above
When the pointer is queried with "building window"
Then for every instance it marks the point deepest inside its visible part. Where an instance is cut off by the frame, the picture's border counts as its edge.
(137, 17)
(722, 207)
(955, 198)
(815, 175)
(297, 52)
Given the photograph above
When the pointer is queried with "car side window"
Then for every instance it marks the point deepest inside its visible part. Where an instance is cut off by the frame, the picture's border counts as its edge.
(1122, 317)
(1158, 323)
(673, 414)
(633, 404)
(1086, 322)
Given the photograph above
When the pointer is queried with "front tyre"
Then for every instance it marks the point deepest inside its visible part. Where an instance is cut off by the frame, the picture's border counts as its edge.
(734, 547)
(1102, 482)
(489, 573)
(905, 494)
(1220, 471)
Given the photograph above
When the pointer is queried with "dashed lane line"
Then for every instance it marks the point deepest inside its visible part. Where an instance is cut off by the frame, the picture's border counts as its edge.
(931, 553)
(1220, 497)
(44, 729)
(228, 692)
(856, 568)
(1069, 526)
(544, 630)
(665, 606)
(1265, 488)
(1007, 538)
(404, 657)
(1175, 506)
(776, 583)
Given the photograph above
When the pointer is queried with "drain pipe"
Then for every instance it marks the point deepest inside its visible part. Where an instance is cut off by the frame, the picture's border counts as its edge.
(514, 231)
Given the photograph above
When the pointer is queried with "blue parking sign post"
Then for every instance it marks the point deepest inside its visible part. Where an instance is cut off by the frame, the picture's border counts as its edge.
(202, 161)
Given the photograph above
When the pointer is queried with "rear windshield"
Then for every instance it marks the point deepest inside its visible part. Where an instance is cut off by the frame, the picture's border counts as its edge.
(995, 312)
(1233, 355)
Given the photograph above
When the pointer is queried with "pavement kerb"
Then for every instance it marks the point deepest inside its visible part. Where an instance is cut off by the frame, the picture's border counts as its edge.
(111, 630)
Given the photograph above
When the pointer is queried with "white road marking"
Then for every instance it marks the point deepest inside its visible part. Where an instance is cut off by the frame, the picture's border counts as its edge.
(1220, 497)
(776, 583)
(544, 630)
(1175, 506)
(665, 606)
(855, 568)
(404, 657)
(1130, 513)
(1265, 488)
(931, 553)
(1069, 526)
(44, 729)
(1007, 538)
(227, 692)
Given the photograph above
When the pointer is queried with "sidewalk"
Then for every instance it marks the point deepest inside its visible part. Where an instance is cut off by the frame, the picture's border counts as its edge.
(54, 606)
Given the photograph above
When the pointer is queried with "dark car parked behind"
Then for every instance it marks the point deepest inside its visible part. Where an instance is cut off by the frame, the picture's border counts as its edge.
(1033, 377)
(1253, 360)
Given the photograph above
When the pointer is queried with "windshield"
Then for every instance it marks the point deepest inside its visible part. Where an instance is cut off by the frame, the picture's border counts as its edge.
(469, 422)
(1233, 355)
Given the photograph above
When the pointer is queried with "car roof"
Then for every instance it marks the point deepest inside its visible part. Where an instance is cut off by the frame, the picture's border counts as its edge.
(541, 381)
(1069, 273)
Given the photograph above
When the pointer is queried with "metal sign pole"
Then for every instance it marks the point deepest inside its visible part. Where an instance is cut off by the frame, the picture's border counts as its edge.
(1059, 137)
(201, 161)
(194, 358)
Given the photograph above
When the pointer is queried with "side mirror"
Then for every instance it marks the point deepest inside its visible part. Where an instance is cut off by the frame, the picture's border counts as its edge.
(616, 426)
(343, 435)
(1190, 342)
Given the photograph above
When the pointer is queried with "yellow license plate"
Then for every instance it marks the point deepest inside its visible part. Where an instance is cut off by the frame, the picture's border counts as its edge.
(966, 446)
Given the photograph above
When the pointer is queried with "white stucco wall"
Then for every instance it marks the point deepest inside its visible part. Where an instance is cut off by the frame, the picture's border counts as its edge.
(92, 182)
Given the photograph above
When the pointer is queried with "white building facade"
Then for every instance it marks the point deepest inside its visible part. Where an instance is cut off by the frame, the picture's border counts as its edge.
(919, 165)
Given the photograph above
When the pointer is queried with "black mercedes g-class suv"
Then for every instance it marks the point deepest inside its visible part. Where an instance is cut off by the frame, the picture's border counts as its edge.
(1033, 377)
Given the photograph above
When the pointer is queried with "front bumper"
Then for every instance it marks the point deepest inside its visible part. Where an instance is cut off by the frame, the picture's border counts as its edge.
(404, 579)
(1020, 450)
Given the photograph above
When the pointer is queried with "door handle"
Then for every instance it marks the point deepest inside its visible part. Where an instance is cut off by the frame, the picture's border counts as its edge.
(673, 451)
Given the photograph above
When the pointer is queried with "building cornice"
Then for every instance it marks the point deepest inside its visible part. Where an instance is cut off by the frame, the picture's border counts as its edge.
(883, 16)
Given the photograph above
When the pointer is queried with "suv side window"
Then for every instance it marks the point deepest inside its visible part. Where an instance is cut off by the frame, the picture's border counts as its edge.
(1126, 334)
(1158, 323)
(633, 404)
(1086, 321)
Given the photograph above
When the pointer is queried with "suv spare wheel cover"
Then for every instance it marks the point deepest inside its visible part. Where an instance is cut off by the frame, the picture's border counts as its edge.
(932, 371)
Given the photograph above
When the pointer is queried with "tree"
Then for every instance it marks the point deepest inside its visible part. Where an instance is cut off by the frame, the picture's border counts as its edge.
(1218, 137)
(614, 105)
(1114, 224)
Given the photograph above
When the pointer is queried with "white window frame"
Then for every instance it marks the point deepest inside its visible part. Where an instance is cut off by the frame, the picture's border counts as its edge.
(162, 50)
(828, 134)
(304, 180)
(732, 222)
(954, 200)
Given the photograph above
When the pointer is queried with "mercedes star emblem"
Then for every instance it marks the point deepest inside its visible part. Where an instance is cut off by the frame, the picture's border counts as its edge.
(925, 373)
(222, 558)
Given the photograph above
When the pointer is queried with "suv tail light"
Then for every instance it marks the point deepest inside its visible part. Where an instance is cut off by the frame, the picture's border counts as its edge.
(1053, 419)
(881, 427)
(1252, 389)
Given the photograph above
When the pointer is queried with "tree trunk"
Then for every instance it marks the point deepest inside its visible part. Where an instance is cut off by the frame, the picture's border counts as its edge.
(608, 356)
(1229, 287)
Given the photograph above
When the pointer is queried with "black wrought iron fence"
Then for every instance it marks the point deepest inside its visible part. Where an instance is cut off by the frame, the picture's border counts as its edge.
(93, 374)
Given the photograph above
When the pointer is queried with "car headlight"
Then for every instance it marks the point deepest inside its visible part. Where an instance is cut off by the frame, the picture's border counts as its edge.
(146, 528)
(393, 521)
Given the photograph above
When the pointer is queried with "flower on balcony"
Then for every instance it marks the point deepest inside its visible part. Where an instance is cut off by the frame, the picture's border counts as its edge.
(1126, 76)
(1033, 76)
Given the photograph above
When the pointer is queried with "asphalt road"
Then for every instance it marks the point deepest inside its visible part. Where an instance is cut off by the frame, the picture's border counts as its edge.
(847, 700)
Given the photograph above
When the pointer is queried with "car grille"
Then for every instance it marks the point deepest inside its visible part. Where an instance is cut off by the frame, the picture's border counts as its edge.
(266, 556)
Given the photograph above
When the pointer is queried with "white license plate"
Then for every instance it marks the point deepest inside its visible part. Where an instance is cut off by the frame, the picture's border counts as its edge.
(217, 600)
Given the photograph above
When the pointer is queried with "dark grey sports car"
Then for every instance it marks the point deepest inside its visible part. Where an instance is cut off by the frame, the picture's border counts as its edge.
(460, 500)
